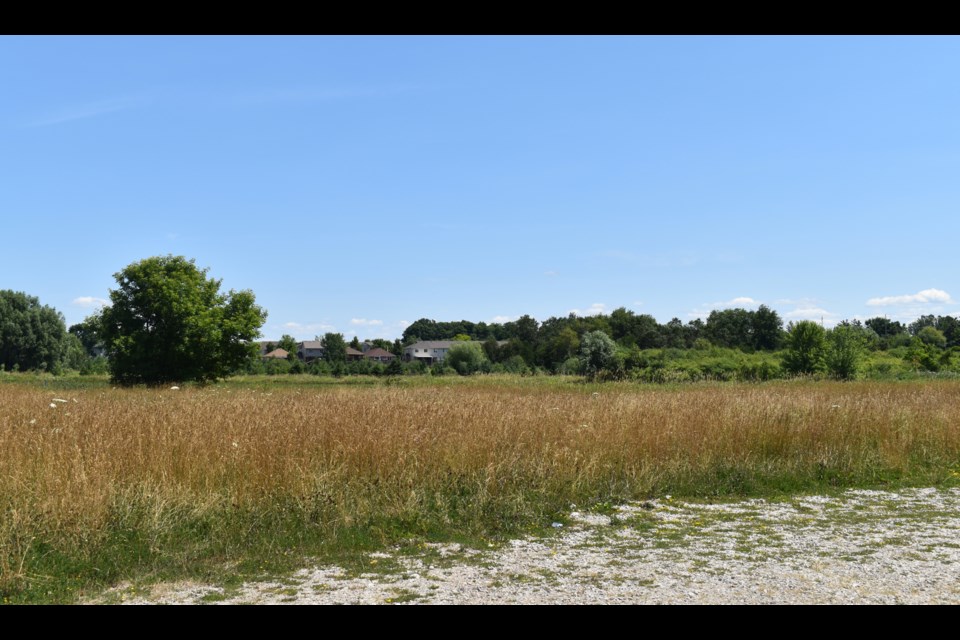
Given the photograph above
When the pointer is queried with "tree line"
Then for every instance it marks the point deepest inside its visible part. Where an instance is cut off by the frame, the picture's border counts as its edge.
(168, 321)
(805, 347)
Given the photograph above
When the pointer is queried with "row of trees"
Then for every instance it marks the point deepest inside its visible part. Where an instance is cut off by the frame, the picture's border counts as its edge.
(168, 321)
(32, 336)
(734, 328)
(550, 345)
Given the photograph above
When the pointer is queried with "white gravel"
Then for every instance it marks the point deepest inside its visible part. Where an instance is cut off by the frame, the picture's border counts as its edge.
(861, 547)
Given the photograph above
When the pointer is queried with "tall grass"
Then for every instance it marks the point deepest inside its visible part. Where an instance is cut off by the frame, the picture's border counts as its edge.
(114, 482)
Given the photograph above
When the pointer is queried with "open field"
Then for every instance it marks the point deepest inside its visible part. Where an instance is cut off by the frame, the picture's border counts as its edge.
(252, 477)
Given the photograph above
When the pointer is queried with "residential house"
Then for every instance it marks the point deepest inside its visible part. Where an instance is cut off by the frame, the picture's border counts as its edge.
(429, 351)
(379, 355)
(310, 350)
(276, 354)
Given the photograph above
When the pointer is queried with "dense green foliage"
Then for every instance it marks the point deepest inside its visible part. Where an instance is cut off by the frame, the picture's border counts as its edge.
(168, 322)
(806, 342)
(844, 351)
(598, 353)
(32, 336)
(334, 348)
(730, 344)
(467, 358)
(288, 344)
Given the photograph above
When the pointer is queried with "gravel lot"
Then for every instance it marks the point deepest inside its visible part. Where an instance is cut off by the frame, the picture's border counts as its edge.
(860, 547)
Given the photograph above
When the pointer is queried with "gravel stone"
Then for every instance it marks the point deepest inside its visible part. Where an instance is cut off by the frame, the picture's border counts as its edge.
(858, 547)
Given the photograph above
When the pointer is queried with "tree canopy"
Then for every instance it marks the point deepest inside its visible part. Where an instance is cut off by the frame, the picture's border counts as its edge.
(32, 336)
(169, 322)
(806, 342)
(466, 357)
(334, 347)
(598, 353)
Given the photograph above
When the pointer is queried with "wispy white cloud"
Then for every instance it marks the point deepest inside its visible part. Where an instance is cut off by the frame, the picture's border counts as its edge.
(363, 322)
(921, 297)
(307, 328)
(87, 110)
(907, 314)
(90, 301)
(595, 309)
(807, 313)
(816, 314)
(376, 329)
(502, 319)
(551, 274)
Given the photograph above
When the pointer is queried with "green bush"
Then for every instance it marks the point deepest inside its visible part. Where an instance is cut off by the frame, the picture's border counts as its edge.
(806, 342)
(845, 348)
(468, 358)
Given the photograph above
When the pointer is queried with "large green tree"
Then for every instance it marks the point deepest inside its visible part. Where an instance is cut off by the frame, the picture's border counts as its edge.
(731, 328)
(288, 343)
(168, 322)
(88, 332)
(767, 328)
(334, 348)
(845, 346)
(598, 353)
(466, 357)
(32, 336)
(805, 342)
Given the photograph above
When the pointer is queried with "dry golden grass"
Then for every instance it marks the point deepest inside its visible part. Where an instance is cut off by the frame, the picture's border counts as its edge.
(145, 463)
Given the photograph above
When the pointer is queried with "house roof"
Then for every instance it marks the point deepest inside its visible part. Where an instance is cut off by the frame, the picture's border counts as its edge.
(353, 352)
(311, 344)
(280, 354)
(377, 352)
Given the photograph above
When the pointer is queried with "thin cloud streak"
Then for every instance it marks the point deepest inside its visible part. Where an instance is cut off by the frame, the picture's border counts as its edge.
(84, 111)
(90, 301)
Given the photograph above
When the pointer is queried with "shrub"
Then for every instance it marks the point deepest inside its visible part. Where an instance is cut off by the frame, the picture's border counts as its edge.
(805, 348)
(468, 358)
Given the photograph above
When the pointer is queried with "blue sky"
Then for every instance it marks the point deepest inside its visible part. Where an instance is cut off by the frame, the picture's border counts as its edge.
(359, 183)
